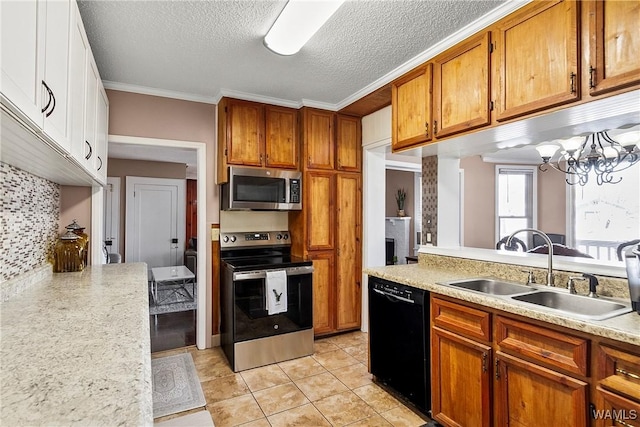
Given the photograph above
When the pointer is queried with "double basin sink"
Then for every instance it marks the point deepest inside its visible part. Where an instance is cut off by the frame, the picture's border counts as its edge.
(555, 300)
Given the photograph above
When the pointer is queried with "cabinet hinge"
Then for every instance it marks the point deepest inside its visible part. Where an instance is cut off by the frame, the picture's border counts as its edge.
(492, 47)
(226, 110)
(490, 105)
(225, 152)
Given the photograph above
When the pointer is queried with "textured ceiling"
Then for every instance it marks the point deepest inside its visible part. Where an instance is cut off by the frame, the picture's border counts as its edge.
(203, 49)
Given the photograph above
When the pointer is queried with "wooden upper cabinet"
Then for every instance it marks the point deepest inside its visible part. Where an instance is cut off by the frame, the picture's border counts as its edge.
(319, 203)
(348, 258)
(245, 124)
(281, 142)
(319, 138)
(461, 87)
(537, 53)
(411, 108)
(614, 45)
(349, 143)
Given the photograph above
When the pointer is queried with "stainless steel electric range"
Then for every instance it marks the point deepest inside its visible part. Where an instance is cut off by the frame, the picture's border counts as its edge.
(266, 300)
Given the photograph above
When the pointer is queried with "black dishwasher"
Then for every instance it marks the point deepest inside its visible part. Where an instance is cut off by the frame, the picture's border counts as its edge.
(399, 339)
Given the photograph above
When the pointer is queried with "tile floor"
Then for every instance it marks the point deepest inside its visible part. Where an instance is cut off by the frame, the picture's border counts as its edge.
(330, 388)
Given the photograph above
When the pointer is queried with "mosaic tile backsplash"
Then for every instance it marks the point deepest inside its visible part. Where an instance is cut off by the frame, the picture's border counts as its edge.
(30, 212)
(430, 198)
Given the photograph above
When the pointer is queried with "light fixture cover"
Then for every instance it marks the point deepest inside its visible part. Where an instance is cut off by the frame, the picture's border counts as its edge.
(572, 144)
(297, 23)
(547, 150)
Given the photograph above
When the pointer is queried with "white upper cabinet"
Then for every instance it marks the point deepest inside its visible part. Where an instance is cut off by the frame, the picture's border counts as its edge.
(23, 56)
(51, 84)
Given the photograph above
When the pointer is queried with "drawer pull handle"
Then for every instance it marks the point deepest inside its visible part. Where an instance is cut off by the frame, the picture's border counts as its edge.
(628, 374)
(617, 421)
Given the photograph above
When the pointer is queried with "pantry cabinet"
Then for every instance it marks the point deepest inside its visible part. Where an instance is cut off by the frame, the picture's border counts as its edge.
(411, 108)
(537, 58)
(614, 45)
(319, 206)
(461, 86)
(323, 291)
(319, 138)
(255, 134)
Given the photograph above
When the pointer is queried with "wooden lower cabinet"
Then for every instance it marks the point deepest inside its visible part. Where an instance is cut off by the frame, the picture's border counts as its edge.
(529, 395)
(618, 387)
(460, 367)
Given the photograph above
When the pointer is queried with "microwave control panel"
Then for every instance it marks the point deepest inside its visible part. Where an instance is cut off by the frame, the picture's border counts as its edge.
(294, 191)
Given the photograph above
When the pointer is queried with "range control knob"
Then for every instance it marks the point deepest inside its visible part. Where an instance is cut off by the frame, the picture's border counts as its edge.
(225, 239)
(233, 239)
(279, 236)
(286, 237)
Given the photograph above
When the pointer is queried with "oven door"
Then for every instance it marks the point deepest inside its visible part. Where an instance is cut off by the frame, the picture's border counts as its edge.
(251, 319)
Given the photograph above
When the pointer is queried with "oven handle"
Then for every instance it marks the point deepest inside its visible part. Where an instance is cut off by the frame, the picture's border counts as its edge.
(261, 274)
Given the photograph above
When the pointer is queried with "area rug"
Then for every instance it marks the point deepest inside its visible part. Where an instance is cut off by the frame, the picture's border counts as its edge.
(176, 386)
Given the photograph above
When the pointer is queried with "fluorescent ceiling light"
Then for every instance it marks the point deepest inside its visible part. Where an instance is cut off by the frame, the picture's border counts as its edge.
(297, 23)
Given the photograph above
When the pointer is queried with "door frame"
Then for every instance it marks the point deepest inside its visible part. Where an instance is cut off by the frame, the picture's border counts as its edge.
(113, 186)
(204, 309)
(130, 211)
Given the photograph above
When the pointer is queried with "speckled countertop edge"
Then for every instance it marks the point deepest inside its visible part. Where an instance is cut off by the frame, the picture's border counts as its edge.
(625, 328)
(75, 350)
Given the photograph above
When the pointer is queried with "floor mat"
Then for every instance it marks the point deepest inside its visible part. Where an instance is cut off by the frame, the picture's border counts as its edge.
(176, 386)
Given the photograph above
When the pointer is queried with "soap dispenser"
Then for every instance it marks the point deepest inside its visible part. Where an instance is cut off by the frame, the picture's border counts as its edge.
(632, 261)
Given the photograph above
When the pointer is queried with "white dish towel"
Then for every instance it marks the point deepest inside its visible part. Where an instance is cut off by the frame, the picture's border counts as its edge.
(276, 289)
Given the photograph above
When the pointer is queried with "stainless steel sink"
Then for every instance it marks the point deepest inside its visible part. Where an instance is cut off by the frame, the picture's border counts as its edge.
(490, 286)
(575, 305)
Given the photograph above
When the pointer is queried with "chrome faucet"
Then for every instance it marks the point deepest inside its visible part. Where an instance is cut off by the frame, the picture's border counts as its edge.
(547, 241)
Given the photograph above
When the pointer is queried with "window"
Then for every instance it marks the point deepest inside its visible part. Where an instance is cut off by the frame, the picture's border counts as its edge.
(604, 216)
(515, 199)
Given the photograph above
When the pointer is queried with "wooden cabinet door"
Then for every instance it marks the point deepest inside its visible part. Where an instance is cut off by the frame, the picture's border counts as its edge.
(244, 133)
(319, 204)
(319, 139)
(614, 41)
(349, 143)
(537, 50)
(528, 395)
(411, 109)
(460, 367)
(281, 137)
(323, 292)
(348, 259)
(462, 87)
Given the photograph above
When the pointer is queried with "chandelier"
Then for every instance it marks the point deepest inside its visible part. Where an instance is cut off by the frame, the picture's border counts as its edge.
(598, 154)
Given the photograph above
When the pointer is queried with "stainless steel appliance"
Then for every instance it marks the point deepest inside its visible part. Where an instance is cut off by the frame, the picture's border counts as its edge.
(399, 340)
(632, 262)
(250, 335)
(262, 189)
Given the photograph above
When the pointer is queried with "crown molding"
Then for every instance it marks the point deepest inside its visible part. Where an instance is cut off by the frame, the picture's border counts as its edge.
(455, 38)
(144, 90)
(256, 98)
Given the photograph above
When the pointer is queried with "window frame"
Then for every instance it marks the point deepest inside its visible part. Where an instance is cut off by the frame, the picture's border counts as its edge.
(534, 197)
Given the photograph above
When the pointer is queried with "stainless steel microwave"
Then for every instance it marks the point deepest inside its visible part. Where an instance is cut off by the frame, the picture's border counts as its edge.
(262, 189)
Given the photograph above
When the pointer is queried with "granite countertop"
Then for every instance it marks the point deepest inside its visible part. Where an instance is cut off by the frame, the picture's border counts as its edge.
(75, 350)
(624, 328)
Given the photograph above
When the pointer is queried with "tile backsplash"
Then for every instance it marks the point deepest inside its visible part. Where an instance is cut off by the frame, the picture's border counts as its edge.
(30, 212)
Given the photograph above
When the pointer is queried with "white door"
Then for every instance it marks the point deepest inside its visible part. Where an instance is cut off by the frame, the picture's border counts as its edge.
(112, 215)
(155, 221)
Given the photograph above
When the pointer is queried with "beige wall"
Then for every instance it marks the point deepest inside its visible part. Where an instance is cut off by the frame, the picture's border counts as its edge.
(479, 202)
(121, 168)
(401, 179)
(75, 203)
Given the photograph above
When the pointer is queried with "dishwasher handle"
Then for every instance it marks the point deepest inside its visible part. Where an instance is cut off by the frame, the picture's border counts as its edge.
(394, 297)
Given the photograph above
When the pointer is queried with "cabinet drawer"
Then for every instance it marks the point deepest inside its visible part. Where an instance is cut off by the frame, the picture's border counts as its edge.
(543, 345)
(466, 321)
(615, 410)
(619, 371)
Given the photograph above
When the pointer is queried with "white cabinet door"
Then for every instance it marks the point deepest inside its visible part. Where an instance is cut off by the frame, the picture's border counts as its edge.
(23, 56)
(56, 71)
(102, 132)
(90, 114)
(78, 52)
